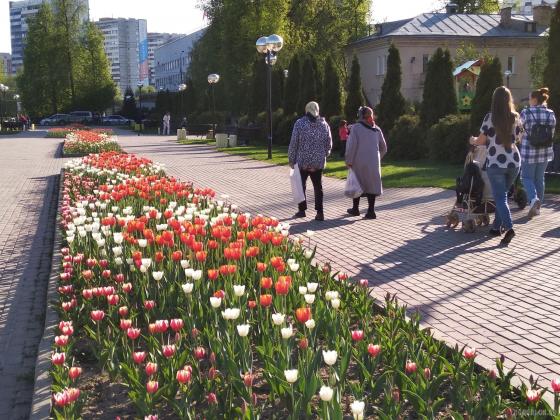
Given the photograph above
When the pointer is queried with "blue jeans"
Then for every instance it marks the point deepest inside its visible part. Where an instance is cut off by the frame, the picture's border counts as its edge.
(532, 175)
(501, 180)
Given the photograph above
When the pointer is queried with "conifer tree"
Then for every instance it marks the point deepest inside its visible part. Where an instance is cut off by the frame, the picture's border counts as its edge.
(309, 83)
(392, 103)
(292, 91)
(552, 71)
(331, 100)
(129, 104)
(355, 96)
(489, 79)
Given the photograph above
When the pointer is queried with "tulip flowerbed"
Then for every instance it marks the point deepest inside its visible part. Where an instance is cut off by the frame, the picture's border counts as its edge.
(81, 143)
(199, 309)
(61, 133)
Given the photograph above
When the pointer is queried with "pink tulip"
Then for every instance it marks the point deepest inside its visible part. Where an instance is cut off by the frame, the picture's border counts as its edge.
(555, 385)
(373, 349)
(73, 394)
(123, 311)
(97, 315)
(410, 367)
(364, 283)
(61, 340)
(168, 351)
(125, 324)
(357, 335)
(74, 372)
(427, 373)
(152, 387)
(533, 396)
(162, 325)
(127, 287)
(469, 353)
(87, 294)
(149, 305)
(113, 300)
(133, 333)
(60, 399)
(151, 368)
(212, 399)
(138, 356)
(176, 324)
(183, 376)
(58, 358)
(199, 353)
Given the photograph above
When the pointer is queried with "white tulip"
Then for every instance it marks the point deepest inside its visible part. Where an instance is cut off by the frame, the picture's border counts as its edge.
(118, 238)
(239, 290)
(118, 261)
(101, 243)
(142, 243)
(231, 313)
(143, 269)
(188, 288)
(278, 319)
(185, 264)
(291, 261)
(197, 275)
(302, 290)
(335, 303)
(243, 330)
(216, 302)
(157, 275)
(309, 299)
(294, 267)
(357, 408)
(329, 356)
(312, 287)
(146, 262)
(310, 324)
(291, 375)
(189, 272)
(287, 332)
(117, 251)
(326, 393)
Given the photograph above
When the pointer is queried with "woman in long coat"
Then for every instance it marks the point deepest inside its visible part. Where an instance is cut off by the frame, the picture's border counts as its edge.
(364, 151)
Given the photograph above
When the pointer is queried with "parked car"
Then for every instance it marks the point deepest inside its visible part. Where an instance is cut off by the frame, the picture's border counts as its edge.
(82, 117)
(116, 120)
(56, 119)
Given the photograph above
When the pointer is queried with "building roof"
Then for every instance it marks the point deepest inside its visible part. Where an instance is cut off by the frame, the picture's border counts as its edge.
(457, 24)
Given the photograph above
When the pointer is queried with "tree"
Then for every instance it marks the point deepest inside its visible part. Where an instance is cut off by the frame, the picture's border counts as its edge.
(537, 65)
(476, 6)
(489, 79)
(467, 51)
(439, 98)
(355, 96)
(392, 103)
(331, 101)
(258, 89)
(95, 87)
(292, 91)
(310, 83)
(129, 109)
(552, 70)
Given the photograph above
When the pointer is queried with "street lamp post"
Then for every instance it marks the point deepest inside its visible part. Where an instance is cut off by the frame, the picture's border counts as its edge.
(508, 74)
(182, 87)
(212, 80)
(140, 86)
(269, 46)
(3, 89)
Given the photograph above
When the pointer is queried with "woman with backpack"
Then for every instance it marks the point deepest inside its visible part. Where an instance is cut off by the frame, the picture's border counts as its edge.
(500, 131)
(536, 147)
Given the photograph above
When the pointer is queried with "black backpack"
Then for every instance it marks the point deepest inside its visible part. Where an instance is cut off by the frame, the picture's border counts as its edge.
(540, 135)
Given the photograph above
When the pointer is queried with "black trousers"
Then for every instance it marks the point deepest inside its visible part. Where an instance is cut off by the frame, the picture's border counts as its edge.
(342, 148)
(370, 199)
(316, 179)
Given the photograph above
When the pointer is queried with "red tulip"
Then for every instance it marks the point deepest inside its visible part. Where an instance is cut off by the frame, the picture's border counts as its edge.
(303, 315)
(119, 278)
(220, 294)
(58, 358)
(149, 305)
(533, 396)
(113, 300)
(427, 373)
(138, 356)
(373, 349)
(152, 387)
(357, 335)
(103, 263)
(364, 283)
(199, 353)
(201, 256)
(177, 256)
(266, 300)
(469, 353)
(97, 315)
(410, 367)
(106, 274)
(74, 372)
(261, 267)
(61, 340)
(555, 385)
(125, 324)
(133, 333)
(252, 304)
(282, 287)
(212, 274)
(183, 376)
(168, 351)
(127, 287)
(266, 282)
(151, 368)
(303, 343)
(212, 399)
(176, 324)
(248, 379)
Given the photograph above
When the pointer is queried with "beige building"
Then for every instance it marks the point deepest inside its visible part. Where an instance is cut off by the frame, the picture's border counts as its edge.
(511, 37)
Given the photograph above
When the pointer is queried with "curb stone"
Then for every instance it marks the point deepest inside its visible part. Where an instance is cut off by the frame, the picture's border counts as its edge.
(41, 403)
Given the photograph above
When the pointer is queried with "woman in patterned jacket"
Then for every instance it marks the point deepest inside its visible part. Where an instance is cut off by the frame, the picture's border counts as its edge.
(310, 146)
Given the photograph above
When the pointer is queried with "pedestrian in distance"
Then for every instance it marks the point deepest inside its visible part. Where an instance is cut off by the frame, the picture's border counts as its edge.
(500, 131)
(310, 145)
(343, 133)
(364, 151)
(537, 120)
(166, 123)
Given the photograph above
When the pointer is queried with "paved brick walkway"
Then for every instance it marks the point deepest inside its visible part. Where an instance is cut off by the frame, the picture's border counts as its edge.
(29, 174)
(467, 288)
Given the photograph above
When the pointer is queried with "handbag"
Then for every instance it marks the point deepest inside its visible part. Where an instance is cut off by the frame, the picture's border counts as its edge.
(540, 135)
(297, 186)
(352, 189)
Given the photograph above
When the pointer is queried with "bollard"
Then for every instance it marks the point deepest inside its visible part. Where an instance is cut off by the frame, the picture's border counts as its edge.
(33, 127)
(158, 131)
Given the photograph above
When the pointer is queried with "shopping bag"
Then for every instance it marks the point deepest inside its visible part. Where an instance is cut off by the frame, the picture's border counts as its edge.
(353, 188)
(297, 186)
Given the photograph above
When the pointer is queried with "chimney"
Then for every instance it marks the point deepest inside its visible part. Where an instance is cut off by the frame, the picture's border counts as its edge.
(505, 17)
(542, 15)
(451, 8)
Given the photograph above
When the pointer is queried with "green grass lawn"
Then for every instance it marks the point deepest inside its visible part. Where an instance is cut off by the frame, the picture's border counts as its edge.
(196, 140)
(396, 174)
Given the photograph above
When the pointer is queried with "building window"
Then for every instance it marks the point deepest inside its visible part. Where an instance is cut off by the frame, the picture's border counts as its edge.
(425, 61)
(381, 64)
(511, 64)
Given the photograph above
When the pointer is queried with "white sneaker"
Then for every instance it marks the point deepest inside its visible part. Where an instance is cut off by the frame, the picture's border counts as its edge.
(535, 208)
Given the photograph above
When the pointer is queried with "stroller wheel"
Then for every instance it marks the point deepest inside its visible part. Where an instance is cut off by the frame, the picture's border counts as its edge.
(478, 220)
(452, 219)
(485, 220)
(469, 226)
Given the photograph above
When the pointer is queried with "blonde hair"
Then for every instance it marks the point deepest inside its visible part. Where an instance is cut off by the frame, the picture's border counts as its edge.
(541, 95)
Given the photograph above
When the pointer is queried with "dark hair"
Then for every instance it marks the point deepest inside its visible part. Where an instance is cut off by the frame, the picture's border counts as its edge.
(342, 123)
(541, 95)
(503, 115)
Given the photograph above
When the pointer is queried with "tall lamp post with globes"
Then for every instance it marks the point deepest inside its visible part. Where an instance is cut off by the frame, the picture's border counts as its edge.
(140, 86)
(3, 90)
(269, 46)
(181, 88)
(212, 80)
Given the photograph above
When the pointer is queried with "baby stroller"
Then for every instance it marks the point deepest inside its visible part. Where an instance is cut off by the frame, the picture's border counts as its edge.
(474, 202)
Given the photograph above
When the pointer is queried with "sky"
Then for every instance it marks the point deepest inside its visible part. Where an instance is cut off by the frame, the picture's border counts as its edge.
(182, 16)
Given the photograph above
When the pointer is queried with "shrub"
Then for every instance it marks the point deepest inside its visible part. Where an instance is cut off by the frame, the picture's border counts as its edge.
(283, 133)
(243, 121)
(406, 141)
(334, 122)
(447, 140)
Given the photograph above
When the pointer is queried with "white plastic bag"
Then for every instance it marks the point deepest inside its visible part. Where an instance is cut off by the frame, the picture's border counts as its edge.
(297, 186)
(353, 189)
